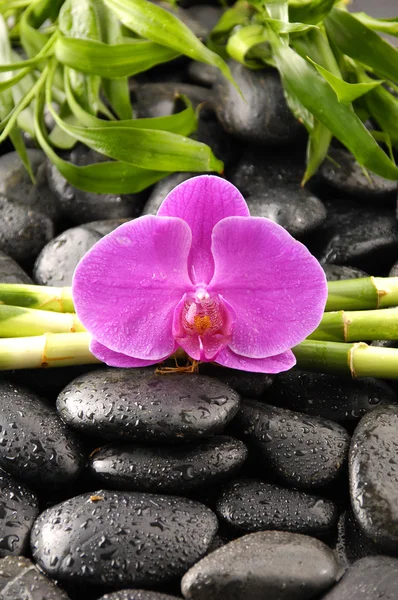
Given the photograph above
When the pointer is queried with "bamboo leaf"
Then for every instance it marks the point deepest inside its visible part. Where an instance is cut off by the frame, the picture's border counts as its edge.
(281, 27)
(312, 11)
(240, 46)
(361, 43)
(383, 107)
(389, 26)
(317, 149)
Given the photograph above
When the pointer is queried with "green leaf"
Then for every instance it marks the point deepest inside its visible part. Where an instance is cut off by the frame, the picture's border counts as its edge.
(283, 27)
(312, 11)
(345, 92)
(19, 91)
(383, 107)
(361, 43)
(389, 26)
(317, 96)
(58, 137)
(241, 45)
(158, 25)
(315, 45)
(23, 64)
(32, 40)
(317, 149)
(239, 14)
(118, 60)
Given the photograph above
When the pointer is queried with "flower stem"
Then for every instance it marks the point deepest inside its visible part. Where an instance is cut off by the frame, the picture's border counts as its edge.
(357, 359)
(354, 326)
(41, 297)
(16, 321)
(48, 350)
(363, 293)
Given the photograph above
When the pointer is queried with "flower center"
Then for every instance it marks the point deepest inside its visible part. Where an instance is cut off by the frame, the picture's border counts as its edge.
(202, 314)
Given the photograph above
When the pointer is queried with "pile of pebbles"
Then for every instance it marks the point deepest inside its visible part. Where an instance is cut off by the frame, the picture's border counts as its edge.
(131, 485)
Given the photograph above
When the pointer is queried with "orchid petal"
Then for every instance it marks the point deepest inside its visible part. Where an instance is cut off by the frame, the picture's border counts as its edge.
(116, 359)
(202, 202)
(271, 364)
(125, 289)
(276, 288)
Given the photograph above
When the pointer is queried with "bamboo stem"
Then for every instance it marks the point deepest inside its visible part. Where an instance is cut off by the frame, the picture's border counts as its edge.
(363, 293)
(40, 297)
(22, 322)
(354, 326)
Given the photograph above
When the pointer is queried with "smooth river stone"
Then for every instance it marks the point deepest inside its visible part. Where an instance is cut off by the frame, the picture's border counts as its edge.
(302, 451)
(249, 505)
(272, 565)
(35, 445)
(122, 538)
(370, 578)
(21, 580)
(11, 272)
(373, 468)
(175, 469)
(337, 272)
(137, 595)
(137, 404)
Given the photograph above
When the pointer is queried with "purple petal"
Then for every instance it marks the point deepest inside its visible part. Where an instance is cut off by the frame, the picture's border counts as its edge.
(116, 359)
(126, 288)
(276, 288)
(271, 364)
(202, 202)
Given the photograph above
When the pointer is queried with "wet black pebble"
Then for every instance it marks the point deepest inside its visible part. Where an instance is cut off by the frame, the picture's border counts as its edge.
(300, 450)
(57, 261)
(161, 189)
(137, 595)
(18, 509)
(346, 175)
(23, 232)
(138, 404)
(249, 505)
(175, 469)
(267, 564)
(245, 383)
(122, 538)
(11, 272)
(373, 464)
(159, 99)
(21, 580)
(35, 446)
(337, 272)
(341, 399)
(260, 114)
(370, 578)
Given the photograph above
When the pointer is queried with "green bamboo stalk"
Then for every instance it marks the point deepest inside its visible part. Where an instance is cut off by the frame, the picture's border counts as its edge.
(357, 359)
(48, 350)
(354, 326)
(363, 293)
(16, 321)
(40, 297)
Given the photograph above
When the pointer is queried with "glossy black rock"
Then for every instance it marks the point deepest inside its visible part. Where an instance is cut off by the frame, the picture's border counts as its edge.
(373, 465)
(249, 505)
(175, 469)
(138, 404)
(267, 564)
(20, 580)
(11, 272)
(337, 272)
(35, 446)
(122, 538)
(301, 451)
(137, 595)
(18, 509)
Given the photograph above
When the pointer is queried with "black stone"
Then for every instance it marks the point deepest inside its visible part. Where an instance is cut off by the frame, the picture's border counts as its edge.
(21, 580)
(245, 383)
(205, 14)
(202, 74)
(394, 270)
(11, 272)
(57, 261)
(35, 446)
(249, 505)
(341, 399)
(138, 404)
(370, 578)
(301, 451)
(159, 99)
(122, 538)
(346, 175)
(269, 564)
(18, 509)
(351, 543)
(175, 469)
(79, 206)
(106, 226)
(23, 232)
(373, 465)
(260, 114)
(338, 272)
(162, 189)
(137, 595)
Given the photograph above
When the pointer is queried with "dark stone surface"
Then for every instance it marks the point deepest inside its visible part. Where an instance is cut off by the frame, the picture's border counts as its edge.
(35, 446)
(57, 261)
(161, 189)
(301, 451)
(267, 564)
(175, 469)
(122, 538)
(248, 505)
(351, 543)
(21, 580)
(373, 465)
(338, 272)
(159, 99)
(245, 383)
(341, 399)
(202, 74)
(138, 404)
(11, 272)
(18, 509)
(137, 595)
(260, 114)
(370, 578)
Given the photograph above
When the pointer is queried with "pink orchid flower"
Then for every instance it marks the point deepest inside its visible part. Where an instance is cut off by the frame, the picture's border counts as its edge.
(204, 276)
